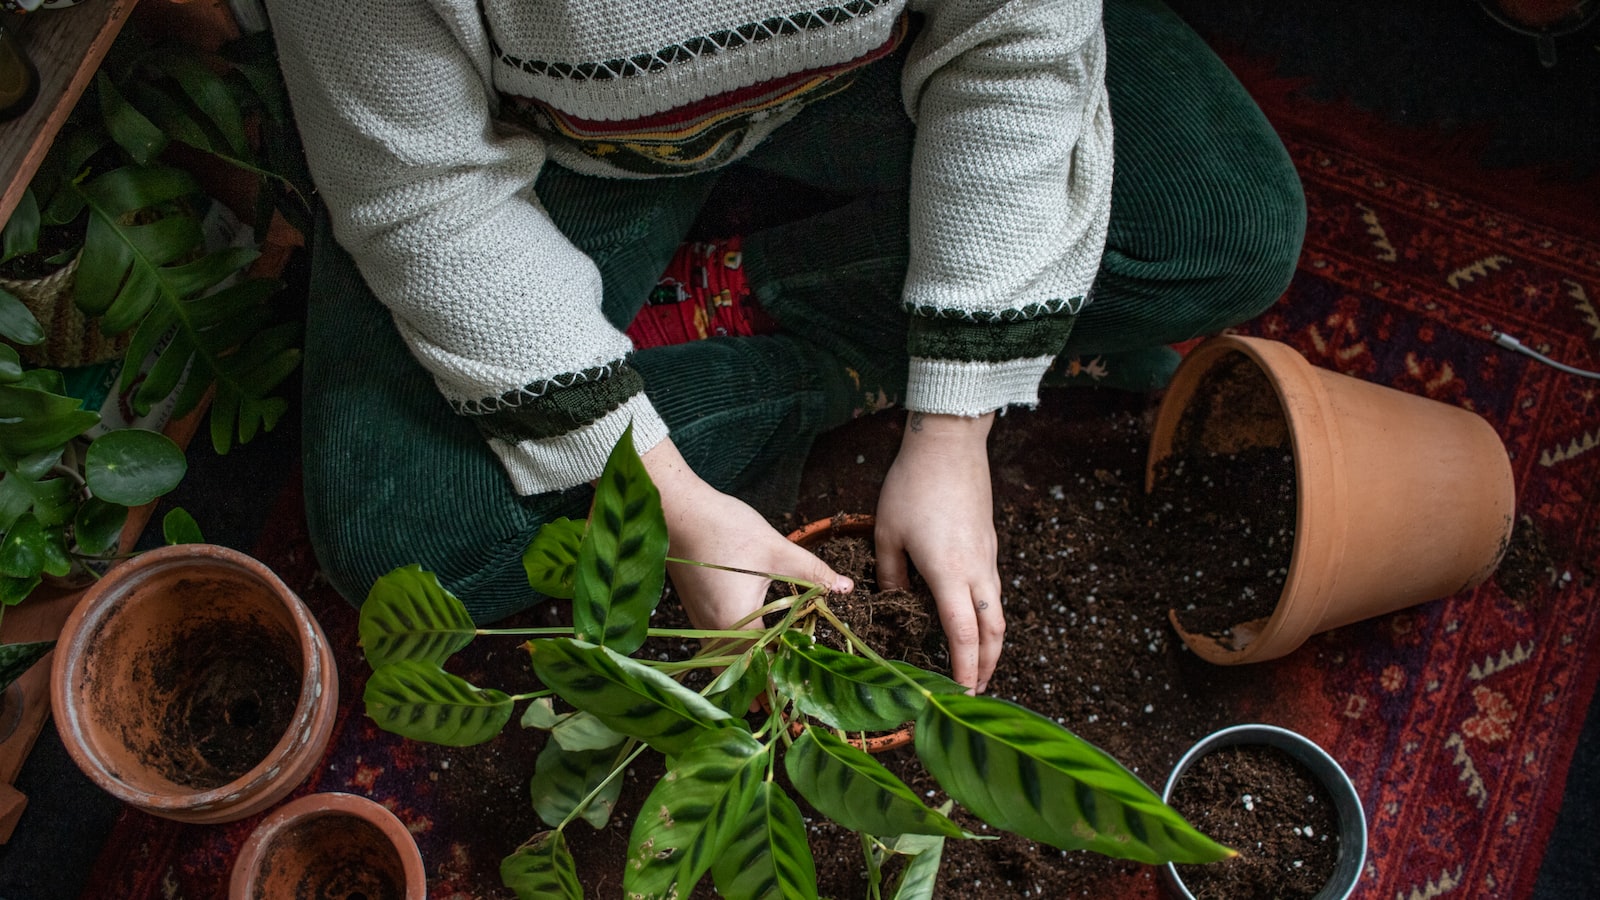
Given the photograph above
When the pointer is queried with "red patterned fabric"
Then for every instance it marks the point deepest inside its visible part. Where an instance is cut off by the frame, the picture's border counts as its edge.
(1456, 719)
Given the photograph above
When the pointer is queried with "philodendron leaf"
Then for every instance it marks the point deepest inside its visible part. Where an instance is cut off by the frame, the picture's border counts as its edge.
(179, 527)
(622, 560)
(562, 778)
(552, 558)
(17, 324)
(691, 814)
(29, 549)
(15, 590)
(739, 684)
(97, 526)
(1025, 774)
(33, 420)
(767, 857)
(542, 869)
(133, 466)
(628, 696)
(18, 658)
(851, 692)
(409, 615)
(850, 787)
(421, 701)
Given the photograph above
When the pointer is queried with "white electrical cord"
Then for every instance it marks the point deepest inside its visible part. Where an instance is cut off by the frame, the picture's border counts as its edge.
(1511, 343)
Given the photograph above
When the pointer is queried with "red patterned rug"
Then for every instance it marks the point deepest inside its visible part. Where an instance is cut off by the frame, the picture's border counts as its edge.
(1456, 719)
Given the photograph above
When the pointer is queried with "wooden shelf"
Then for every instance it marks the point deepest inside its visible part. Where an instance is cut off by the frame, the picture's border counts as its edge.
(66, 45)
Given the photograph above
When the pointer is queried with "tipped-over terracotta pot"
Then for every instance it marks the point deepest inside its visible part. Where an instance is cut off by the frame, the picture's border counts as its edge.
(1399, 499)
(812, 535)
(329, 846)
(191, 683)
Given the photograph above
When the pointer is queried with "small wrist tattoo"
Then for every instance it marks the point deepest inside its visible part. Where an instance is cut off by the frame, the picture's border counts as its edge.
(916, 421)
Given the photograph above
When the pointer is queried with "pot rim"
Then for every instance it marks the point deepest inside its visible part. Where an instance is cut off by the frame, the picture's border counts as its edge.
(1316, 446)
(1346, 800)
(307, 728)
(314, 806)
(853, 524)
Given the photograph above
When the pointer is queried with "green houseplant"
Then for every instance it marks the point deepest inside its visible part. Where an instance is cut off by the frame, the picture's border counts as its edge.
(109, 243)
(719, 810)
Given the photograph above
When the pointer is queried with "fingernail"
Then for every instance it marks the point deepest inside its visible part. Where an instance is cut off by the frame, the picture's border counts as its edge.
(843, 585)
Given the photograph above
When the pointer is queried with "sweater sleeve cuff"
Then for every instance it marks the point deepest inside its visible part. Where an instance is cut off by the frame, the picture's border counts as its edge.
(537, 466)
(953, 387)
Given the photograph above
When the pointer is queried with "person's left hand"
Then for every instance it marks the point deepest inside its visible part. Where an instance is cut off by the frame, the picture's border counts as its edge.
(937, 509)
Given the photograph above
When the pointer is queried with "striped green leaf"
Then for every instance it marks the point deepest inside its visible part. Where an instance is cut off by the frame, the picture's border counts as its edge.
(409, 615)
(541, 714)
(622, 559)
(551, 560)
(584, 731)
(562, 778)
(542, 869)
(739, 684)
(18, 658)
(851, 692)
(422, 701)
(767, 857)
(853, 789)
(920, 875)
(1025, 774)
(692, 813)
(628, 696)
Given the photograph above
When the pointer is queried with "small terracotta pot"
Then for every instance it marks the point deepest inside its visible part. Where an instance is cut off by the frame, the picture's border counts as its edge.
(191, 683)
(1399, 499)
(810, 536)
(1327, 772)
(329, 845)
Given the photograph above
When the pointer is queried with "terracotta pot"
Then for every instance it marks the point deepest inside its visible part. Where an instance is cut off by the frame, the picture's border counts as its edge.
(191, 683)
(1400, 499)
(1327, 772)
(329, 845)
(810, 536)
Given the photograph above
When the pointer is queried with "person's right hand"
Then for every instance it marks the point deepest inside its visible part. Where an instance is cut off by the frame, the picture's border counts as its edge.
(706, 525)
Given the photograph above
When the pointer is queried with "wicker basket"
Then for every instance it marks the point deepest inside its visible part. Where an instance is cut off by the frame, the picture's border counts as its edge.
(71, 339)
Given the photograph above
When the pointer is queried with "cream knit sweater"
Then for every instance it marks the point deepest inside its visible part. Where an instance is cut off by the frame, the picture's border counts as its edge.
(406, 108)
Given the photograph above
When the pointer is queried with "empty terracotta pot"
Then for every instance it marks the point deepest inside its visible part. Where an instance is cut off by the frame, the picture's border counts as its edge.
(329, 847)
(190, 682)
(1400, 499)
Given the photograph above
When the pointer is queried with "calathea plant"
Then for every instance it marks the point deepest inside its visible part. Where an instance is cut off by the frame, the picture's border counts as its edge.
(720, 809)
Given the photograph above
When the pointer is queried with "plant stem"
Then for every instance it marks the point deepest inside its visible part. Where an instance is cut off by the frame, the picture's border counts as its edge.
(633, 748)
(798, 582)
(868, 652)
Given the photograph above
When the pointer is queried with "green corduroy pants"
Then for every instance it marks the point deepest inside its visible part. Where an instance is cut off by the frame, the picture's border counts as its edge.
(1206, 224)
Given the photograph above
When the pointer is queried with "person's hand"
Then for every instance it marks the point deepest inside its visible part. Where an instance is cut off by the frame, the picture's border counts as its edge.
(706, 525)
(937, 508)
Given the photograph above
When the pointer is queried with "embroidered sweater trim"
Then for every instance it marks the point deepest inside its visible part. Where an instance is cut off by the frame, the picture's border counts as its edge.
(698, 135)
(694, 48)
(552, 413)
(989, 341)
(539, 465)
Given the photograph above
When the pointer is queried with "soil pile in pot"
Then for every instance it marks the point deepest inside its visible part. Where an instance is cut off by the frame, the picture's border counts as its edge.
(235, 690)
(1261, 802)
